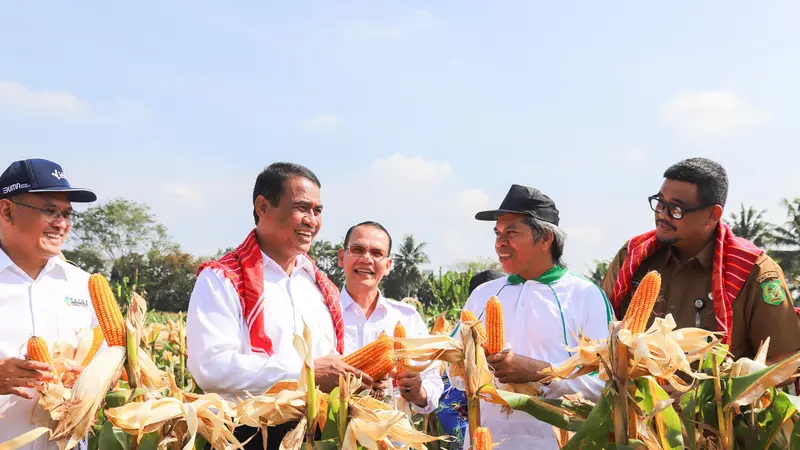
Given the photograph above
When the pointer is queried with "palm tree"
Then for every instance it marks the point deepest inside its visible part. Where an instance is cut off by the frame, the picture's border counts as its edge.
(405, 278)
(750, 224)
(787, 241)
(599, 272)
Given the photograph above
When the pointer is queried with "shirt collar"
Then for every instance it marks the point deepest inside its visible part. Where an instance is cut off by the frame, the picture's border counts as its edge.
(552, 275)
(705, 257)
(54, 262)
(347, 301)
(301, 262)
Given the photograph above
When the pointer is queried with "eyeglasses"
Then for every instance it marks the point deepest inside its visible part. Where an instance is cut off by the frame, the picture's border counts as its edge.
(673, 210)
(52, 214)
(360, 251)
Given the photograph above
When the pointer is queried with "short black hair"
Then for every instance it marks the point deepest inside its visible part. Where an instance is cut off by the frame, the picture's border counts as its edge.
(482, 277)
(368, 223)
(271, 181)
(709, 176)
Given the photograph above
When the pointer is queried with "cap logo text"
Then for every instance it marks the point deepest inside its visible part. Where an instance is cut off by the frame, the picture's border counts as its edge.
(14, 187)
(59, 175)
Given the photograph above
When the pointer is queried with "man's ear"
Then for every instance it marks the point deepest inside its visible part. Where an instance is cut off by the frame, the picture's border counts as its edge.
(715, 213)
(389, 264)
(340, 258)
(6, 211)
(262, 205)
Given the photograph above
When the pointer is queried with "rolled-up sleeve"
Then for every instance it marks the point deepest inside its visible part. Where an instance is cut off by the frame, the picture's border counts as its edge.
(431, 378)
(217, 341)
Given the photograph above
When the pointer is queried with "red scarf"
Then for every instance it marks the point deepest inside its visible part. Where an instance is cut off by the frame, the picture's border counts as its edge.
(245, 268)
(734, 258)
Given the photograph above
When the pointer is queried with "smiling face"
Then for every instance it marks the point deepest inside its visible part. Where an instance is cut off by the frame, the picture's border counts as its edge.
(290, 227)
(516, 247)
(366, 259)
(28, 223)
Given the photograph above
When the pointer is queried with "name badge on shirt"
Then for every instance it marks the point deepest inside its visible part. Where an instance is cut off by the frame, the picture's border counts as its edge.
(75, 301)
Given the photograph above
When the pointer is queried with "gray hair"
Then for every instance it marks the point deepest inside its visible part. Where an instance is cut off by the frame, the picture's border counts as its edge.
(541, 230)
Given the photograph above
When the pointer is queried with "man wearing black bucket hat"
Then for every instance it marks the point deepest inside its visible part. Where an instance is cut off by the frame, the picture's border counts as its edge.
(545, 308)
(40, 293)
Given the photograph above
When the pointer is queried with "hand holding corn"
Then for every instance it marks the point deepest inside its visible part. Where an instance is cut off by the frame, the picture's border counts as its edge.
(328, 369)
(509, 367)
(18, 374)
(410, 386)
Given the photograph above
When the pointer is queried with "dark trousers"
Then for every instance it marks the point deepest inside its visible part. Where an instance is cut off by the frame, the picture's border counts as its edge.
(274, 436)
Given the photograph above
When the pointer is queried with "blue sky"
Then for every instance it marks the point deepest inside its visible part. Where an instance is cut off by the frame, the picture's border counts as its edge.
(415, 114)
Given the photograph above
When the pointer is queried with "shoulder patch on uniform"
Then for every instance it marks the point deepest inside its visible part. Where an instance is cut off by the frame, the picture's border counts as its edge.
(768, 275)
(772, 292)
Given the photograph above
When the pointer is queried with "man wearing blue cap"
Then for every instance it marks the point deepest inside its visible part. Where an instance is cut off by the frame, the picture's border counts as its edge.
(40, 293)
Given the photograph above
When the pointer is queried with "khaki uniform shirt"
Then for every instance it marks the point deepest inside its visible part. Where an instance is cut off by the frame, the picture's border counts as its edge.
(683, 285)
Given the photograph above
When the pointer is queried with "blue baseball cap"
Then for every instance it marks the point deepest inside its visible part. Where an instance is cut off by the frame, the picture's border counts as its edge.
(40, 175)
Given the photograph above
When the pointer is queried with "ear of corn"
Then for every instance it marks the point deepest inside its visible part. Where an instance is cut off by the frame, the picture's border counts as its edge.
(440, 325)
(642, 303)
(482, 439)
(400, 333)
(469, 316)
(38, 351)
(97, 341)
(374, 359)
(107, 310)
(495, 338)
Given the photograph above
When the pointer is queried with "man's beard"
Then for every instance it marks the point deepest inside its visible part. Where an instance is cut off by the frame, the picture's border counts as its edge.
(667, 241)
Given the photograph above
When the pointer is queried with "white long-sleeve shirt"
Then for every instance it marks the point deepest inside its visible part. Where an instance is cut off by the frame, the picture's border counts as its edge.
(360, 331)
(218, 340)
(541, 320)
(54, 307)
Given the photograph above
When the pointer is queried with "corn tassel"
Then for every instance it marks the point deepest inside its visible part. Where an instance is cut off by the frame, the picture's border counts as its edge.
(482, 439)
(374, 359)
(642, 303)
(97, 341)
(400, 333)
(495, 338)
(469, 316)
(107, 310)
(38, 351)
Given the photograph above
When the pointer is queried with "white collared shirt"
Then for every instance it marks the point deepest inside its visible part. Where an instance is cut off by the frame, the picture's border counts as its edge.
(541, 321)
(218, 340)
(54, 306)
(360, 331)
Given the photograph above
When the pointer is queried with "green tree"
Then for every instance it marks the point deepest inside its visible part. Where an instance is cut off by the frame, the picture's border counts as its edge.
(405, 278)
(87, 258)
(750, 224)
(444, 292)
(478, 265)
(120, 227)
(599, 272)
(326, 256)
(787, 244)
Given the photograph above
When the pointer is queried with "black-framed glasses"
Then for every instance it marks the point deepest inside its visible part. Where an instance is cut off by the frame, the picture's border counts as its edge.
(360, 251)
(674, 210)
(52, 214)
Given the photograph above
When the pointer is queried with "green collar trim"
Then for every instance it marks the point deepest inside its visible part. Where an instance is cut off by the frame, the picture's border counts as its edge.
(552, 275)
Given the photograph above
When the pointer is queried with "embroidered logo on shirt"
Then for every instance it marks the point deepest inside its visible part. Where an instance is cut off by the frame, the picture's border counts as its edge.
(72, 301)
(773, 292)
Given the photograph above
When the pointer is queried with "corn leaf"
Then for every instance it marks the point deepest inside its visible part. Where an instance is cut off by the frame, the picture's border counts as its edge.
(594, 432)
(771, 422)
(795, 442)
(112, 438)
(667, 421)
(150, 441)
(554, 412)
(331, 429)
(748, 388)
(326, 444)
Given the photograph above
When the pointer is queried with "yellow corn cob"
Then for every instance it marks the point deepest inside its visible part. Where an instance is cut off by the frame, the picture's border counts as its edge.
(374, 359)
(469, 316)
(97, 341)
(495, 338)
(439, 325)
(642, 303)
(107, 310)
(482, 439)
(400, 332)
(38, 351)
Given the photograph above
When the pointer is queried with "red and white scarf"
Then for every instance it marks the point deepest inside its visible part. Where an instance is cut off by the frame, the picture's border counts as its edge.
(245, 268)
(734, 258)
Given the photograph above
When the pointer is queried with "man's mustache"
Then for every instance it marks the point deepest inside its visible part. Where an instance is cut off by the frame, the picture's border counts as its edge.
(666, 224)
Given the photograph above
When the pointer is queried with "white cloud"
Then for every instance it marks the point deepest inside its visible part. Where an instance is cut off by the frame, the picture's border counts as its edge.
(323, 123)
(715, 114)
(411, 173)
(412, 195)
(18, 98)
(364, 31)
(186, 195)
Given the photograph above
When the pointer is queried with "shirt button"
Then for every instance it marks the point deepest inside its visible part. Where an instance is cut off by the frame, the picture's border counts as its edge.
(672, 307)
(709, 312)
